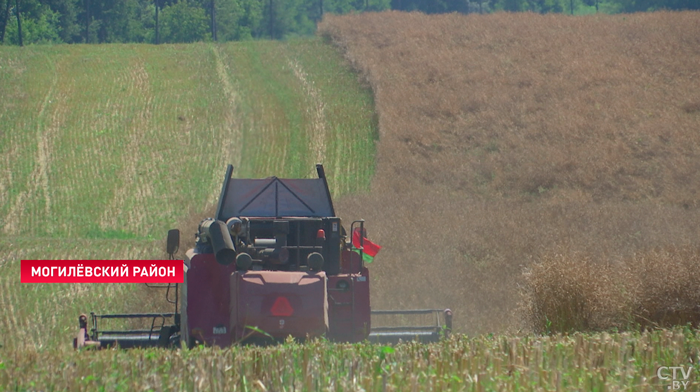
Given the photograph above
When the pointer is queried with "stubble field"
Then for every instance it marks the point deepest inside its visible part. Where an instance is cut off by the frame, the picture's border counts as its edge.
(105, 148)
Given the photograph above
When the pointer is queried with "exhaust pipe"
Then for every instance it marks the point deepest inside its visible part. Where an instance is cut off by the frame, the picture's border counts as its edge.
(220, 238)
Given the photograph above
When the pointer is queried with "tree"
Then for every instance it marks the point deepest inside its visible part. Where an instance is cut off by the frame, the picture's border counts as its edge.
(652, 5)
(36, 21)
(6, 17)
(431, 6)
(213, 19)
(251, 20)
(87, 21)
(19, 22)
(510, 5)
(184, 21)
(67, 26)
(239, 19)
(547, 6)
(123, 21)
(287, 17)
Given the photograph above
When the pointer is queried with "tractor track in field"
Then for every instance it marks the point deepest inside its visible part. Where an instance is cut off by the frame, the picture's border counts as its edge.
(6, 178)
(39, 178)
(131, 182)
(9, 321)
(315, 109)
(8, 313)
(230, 140)
(6, 174)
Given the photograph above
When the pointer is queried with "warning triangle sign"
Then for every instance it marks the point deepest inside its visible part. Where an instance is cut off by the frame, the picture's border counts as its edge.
(282, 307)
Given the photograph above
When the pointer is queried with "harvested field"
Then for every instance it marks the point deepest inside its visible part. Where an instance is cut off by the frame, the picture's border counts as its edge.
(509, 139)
(103, 148)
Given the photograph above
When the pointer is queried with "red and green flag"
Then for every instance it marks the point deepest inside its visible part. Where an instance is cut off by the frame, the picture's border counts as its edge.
(370, 248)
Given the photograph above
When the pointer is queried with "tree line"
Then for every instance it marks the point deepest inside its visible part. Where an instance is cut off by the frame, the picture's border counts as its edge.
(170, 21)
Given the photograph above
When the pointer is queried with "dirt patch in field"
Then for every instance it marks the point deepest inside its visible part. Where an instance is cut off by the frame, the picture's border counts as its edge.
(508, 137)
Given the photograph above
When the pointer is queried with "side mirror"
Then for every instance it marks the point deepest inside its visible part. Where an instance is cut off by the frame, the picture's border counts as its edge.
(173, 243)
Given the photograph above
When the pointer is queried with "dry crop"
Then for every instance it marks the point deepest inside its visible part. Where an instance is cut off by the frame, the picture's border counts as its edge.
(508, 137)
(571, 292)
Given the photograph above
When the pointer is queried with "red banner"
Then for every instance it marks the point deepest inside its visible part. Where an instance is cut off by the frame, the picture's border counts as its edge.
(102, 271)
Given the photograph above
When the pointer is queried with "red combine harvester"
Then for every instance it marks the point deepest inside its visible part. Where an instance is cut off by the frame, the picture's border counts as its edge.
(274, 262)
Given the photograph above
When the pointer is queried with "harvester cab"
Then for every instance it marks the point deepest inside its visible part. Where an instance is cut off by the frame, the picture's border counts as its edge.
(275, 261)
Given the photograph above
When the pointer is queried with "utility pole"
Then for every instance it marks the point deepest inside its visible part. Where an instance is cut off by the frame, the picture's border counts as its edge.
(157, 30)
(572, 6)
(272, 23)
(213, 20)
(19, 22)
(320, 8)
(5, 19)
(87, 21)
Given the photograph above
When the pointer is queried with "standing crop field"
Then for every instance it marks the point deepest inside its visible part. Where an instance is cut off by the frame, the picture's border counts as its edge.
(515, 140)
(581, 362)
